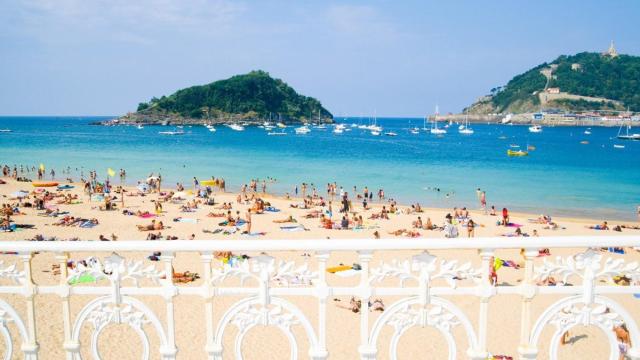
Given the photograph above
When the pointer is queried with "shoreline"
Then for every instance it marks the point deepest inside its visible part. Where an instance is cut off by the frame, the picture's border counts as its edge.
(198, 224)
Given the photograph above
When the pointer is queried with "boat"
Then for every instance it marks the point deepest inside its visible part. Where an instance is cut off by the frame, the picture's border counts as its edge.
(434, 129)
(212, 129)
(180, 132)
(236, 127)
(627, 136)
(139, 127)
(320, 127)
(618, 146)
(414, 131)
(514, 146)
(375, 133)
(464, 129)
(535, 129)
(5, 130)
(390, 133)
(588, 131)
(281, 125)
(302, 130)
(276, 133)
(338, 130)
(44, 184)
(517, 153)
(584, 142)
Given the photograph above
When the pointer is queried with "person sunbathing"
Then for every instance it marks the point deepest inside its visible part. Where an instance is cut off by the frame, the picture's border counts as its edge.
(289, 219)
(418, 223)
(630, 227)
(313, 214)
(405, 232)
(65, 221)
(549, 281)
(354, 305)
(376, 305)
(212, 214)
(151, 227)
(603, 226)
(517, 233)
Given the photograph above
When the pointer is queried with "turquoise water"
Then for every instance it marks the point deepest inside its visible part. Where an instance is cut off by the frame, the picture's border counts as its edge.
(561, 177)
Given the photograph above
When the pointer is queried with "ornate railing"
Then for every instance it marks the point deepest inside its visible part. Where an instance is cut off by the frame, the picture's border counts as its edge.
(424, 283)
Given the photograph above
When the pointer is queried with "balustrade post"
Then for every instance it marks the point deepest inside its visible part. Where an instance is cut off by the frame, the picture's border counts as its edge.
(528, 290)
(71, 347)
(30, 349)
(322, 293)
(169, 350)
(208, 292)
(364, 293)
(485, 291)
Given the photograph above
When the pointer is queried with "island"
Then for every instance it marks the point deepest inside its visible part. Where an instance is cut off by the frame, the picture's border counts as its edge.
(252, 98)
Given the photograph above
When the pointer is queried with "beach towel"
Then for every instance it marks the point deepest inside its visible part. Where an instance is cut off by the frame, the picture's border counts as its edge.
(146, 216)
(262, 233)
(514, 225)
(186, 220)
(616, 250)
(348, 273)
(291, 228)
(83, 279)
(339, 268)
(271, 209)
(87, 225)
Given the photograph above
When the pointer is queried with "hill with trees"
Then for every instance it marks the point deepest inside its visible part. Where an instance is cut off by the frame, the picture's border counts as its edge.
(585, 81)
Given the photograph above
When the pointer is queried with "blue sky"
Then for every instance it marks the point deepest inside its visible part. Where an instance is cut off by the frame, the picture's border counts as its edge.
(397, 58)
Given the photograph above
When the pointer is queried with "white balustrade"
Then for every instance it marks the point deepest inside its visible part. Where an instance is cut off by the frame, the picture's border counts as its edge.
(421, 304)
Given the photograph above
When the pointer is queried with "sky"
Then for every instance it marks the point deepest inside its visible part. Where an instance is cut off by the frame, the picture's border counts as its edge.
(359, 58)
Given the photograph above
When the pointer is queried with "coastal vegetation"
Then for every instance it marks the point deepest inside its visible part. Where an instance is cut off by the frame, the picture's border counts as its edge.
(254, 96)
(585, 81)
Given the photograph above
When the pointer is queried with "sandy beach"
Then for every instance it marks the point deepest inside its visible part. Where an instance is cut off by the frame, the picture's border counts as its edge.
(268, 343)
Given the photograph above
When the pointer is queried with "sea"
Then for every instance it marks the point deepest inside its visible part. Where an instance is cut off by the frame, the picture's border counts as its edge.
(563, 176)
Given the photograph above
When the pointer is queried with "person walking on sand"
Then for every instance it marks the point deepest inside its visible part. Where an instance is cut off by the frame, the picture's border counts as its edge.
(248, 220)
(483, 201)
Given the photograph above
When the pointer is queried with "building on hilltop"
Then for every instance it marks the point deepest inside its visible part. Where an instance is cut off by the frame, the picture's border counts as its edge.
(553, 90)
(612, 51)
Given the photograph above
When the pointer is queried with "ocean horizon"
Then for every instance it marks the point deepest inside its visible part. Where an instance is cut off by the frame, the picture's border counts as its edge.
(561, 177)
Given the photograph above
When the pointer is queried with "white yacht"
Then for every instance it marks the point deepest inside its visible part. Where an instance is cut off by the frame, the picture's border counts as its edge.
(535, 129)
(302, 130)
(236, 127)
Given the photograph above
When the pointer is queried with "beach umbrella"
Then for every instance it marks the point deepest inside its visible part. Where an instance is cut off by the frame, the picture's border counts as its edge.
(41, 167)
(20, 194)
(110, 172)
(143, 187)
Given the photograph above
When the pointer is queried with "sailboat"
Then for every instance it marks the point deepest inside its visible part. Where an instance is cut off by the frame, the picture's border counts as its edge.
(628, 136)
(465, 129)
(434, 130)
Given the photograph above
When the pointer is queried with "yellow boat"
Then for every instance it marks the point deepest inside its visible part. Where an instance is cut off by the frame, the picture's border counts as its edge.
(517, 153)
